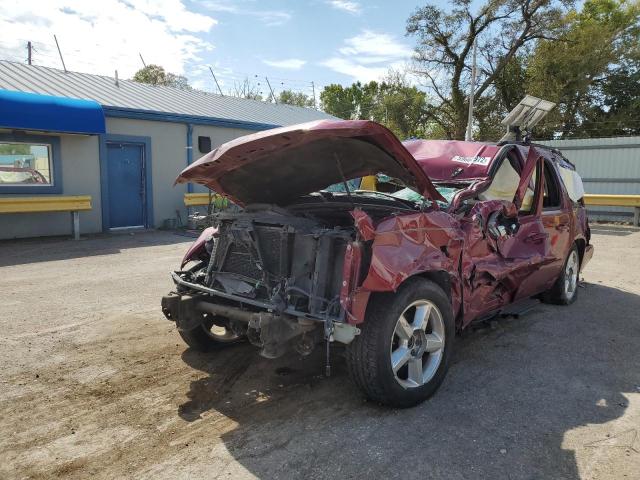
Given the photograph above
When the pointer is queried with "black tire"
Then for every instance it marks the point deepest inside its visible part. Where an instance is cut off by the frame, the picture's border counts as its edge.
(201, 339)
(558, 294)
(369, 355)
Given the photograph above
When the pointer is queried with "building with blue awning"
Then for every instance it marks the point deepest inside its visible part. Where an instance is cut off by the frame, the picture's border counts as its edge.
(47, 113)
(120, 142)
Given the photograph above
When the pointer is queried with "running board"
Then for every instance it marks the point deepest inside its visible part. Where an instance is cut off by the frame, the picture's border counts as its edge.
(520, 308)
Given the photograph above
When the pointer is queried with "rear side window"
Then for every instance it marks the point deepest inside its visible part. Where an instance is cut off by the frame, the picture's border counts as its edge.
(552, 197)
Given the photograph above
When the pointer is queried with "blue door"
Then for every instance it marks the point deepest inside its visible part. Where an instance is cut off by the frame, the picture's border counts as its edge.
(126, 183)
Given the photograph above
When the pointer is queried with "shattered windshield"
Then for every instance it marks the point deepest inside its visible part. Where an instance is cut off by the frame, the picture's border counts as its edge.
(383, 185)
(413, 196)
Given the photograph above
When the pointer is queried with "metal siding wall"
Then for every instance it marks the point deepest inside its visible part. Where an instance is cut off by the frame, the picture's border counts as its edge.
(600, 160)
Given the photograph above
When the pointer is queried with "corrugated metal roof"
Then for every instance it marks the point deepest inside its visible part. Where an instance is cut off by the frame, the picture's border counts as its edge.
(139, 96)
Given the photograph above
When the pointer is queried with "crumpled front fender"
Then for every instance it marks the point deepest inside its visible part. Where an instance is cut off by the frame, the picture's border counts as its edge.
(196, 247)
(401, 247)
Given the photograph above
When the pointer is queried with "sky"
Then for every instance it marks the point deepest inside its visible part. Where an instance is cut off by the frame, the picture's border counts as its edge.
(292, 43)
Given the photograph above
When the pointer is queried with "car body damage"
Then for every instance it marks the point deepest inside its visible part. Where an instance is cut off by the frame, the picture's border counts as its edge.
(486, 225)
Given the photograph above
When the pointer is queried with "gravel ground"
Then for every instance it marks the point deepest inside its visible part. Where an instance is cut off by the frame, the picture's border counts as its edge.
(95, 382)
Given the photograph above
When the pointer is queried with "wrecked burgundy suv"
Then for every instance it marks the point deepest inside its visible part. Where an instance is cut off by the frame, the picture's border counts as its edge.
(453, 232)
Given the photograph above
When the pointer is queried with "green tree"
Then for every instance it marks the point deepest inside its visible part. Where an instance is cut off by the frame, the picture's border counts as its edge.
(299, 99)
(14, 149)
(509, 88)
(502, 28)
(393, 102)
(156, 75)
(590, 72)
(400, 106)
(353, 102)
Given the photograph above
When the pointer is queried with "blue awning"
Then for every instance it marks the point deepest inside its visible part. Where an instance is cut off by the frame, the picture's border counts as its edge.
(32, 111)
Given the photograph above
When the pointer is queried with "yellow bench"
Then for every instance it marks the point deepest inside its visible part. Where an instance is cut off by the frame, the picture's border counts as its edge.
(601, 200)
(202, 199)
(73, 204)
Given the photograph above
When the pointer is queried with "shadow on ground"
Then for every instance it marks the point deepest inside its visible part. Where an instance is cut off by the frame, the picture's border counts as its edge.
(511, 395)
(46, 249)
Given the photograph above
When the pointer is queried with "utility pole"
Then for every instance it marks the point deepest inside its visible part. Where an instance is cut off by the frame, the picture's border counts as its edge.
(272, 95)
(144, 64)
(60, 53)
(117, 83)
(469, 135)
(216, 80)
(29, 48)
(313, 89)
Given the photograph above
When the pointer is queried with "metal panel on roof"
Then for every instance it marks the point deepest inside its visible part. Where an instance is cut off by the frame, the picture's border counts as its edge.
(139, 96)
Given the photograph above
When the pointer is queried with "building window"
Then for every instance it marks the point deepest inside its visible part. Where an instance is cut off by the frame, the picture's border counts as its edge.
(25, 164)
(29, 164)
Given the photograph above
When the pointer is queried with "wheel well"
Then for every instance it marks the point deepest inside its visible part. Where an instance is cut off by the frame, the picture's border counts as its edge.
(581, 244)
(440, 278)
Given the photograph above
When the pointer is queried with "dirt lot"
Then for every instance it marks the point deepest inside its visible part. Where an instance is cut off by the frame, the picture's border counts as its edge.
(95, 382)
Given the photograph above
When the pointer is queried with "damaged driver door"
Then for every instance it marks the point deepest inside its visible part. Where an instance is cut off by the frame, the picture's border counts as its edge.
(506, 245)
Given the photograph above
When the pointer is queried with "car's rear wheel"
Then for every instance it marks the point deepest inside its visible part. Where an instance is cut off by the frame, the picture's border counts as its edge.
(565, 290)
(210, 335)
(402, 354)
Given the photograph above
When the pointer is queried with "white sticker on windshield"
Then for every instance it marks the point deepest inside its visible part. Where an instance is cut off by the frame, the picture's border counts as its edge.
(472, 160)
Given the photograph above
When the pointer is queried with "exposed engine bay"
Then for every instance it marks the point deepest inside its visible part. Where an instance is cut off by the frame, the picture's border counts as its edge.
(280, 265)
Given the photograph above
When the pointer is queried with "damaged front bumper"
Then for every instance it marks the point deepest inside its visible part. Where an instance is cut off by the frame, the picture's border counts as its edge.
(274, 331)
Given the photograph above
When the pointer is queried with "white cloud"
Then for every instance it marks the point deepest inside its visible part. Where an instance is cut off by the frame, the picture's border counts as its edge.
(354, 70)
(377, 45)
(100, 37)
(271, 18)
(287, 63)
(346, 5)
(369, 56)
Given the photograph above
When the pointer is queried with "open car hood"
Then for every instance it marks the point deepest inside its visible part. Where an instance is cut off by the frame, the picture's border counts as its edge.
(446, 160)
(280, 165)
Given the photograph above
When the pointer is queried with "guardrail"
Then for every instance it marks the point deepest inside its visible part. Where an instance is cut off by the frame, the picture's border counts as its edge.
(70, 203)
(591, 199)
(631, 201)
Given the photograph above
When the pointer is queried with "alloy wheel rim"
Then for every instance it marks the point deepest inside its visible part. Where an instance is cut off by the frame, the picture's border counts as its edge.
(417, 344)
(571, 275)
(221, 334)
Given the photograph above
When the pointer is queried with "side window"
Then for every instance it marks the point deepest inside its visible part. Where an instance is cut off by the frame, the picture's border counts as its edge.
(552, 198)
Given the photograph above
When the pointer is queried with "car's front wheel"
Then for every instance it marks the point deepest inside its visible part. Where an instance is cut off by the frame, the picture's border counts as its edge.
(210, 335)
(402, 354)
